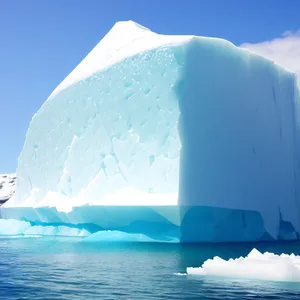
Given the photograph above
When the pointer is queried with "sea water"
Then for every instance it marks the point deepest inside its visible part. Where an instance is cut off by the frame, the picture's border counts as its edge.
(69, 268)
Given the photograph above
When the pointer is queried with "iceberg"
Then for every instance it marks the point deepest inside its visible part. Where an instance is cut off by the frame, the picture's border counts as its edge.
(179, 137)
(267, 266)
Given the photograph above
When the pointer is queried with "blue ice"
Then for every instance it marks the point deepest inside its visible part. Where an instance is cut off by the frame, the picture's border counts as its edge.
(191, 135)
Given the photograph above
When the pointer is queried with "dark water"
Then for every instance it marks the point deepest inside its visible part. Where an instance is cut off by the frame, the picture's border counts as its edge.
(45, 268)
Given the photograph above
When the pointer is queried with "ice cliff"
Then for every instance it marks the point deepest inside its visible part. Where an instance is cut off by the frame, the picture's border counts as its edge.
(178, 135)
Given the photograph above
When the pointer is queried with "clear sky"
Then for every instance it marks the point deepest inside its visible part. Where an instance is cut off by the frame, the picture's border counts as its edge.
(43, 41)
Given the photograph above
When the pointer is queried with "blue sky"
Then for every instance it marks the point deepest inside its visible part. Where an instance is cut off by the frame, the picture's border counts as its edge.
(42, 42)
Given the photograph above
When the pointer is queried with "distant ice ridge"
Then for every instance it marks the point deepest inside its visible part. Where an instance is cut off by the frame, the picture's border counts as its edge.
(7, 186)
(13, 227)
(267, 266)
(119, 236)
(191, 131)
(16, 228)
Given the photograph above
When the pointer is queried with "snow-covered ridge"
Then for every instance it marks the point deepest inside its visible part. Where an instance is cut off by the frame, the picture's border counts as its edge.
(125, 39)
(7, 186)
(266, 266)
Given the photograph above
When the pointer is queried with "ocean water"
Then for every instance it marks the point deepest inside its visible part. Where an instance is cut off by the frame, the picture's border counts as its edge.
(68, 268)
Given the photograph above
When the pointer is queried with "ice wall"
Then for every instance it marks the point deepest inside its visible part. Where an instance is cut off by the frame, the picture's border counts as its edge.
(112, 131)
(154, 120)
(240, 133)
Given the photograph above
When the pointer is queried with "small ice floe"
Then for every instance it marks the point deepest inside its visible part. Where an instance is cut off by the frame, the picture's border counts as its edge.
(180, 274)
(267, 266)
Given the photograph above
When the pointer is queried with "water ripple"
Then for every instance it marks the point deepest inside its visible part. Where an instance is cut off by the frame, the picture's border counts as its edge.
(58, 269)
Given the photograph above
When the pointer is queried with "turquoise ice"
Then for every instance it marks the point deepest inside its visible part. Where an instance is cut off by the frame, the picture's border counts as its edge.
(174, 137)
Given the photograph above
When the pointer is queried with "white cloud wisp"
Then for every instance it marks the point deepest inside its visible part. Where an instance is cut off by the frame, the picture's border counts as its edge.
(284, 51)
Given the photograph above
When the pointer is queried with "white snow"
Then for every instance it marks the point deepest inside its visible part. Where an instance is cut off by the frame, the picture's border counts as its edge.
(125, 39)
(7, 186)
(123, 197)
(266, 266)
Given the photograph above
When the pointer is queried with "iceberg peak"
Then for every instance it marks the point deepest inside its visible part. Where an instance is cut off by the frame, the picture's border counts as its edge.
(129, 25)
(255, 254)
(125, 39)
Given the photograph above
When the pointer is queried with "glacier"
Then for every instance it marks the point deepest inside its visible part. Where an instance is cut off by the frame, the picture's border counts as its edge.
(174, 137)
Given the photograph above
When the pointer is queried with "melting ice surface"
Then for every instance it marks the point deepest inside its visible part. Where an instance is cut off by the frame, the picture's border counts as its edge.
(267, 266)
(176, 133)
(18, 228)
(22, 228)
(119, 236)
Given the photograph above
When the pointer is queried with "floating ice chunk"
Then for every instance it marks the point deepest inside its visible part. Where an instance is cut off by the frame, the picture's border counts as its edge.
(180, 274)
(267, 266)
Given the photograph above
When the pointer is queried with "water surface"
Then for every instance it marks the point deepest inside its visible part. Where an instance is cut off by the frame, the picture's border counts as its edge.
(67, 268)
